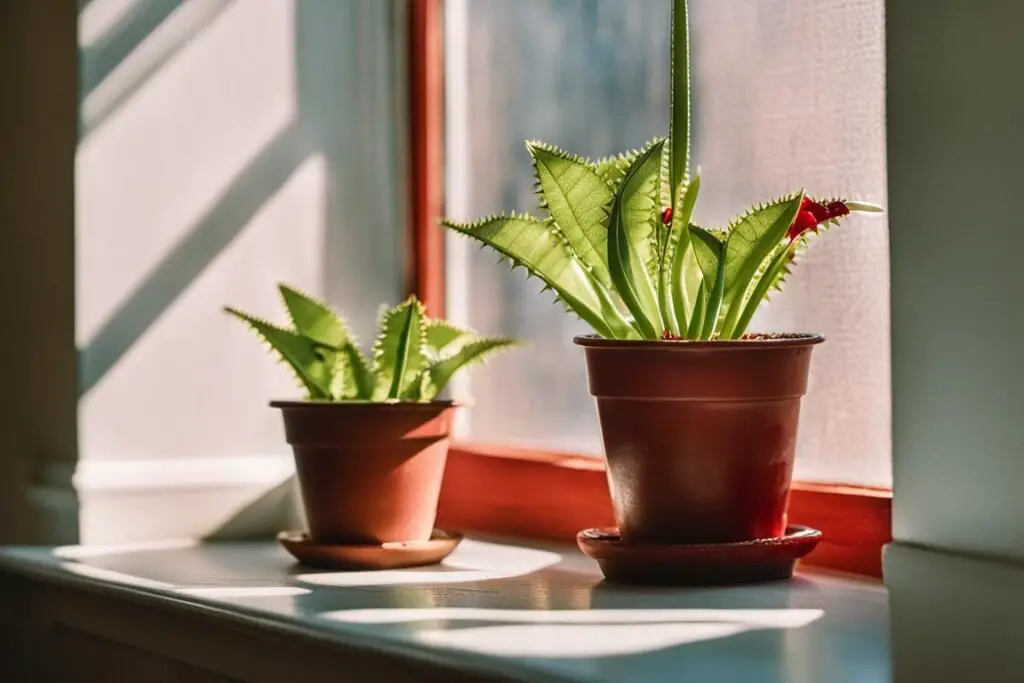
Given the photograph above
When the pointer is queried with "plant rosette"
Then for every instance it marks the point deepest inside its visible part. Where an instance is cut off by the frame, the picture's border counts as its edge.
(698, 416)
(371, 439)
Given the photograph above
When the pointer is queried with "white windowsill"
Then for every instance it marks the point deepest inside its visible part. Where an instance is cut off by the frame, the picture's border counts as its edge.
(500, 612)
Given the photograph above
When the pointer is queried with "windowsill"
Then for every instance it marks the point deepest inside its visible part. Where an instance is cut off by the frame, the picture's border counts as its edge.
(524, 493)
(492, 612)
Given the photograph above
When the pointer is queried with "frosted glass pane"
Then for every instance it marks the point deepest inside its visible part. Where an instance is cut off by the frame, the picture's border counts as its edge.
(788, 93)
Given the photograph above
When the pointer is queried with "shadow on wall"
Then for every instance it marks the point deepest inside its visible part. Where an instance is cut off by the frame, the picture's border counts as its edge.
(193, 253)
(266, 511)
(224, 146)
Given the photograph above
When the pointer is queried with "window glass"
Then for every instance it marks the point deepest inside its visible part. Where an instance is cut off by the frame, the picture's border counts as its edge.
(787, 94)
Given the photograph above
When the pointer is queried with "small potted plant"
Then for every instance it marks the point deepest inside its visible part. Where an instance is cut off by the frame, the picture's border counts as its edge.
(698, 416)
(371, 437)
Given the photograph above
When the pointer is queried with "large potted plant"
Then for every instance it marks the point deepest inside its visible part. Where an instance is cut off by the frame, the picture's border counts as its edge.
(371, 437)
(698, 416)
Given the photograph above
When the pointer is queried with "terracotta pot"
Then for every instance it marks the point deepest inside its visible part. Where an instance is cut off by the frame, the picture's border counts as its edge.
(369, 473)
(699, 436)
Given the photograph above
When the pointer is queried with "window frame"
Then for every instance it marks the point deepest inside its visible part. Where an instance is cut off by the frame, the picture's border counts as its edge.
(550, 495)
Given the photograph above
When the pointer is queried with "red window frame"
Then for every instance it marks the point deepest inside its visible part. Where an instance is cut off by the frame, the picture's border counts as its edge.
(549, 495)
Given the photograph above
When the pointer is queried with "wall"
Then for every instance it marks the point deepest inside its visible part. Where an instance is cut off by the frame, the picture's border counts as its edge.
(206, 179)
(225, 146)
(955, 107)
(955, 574)
(162, 159)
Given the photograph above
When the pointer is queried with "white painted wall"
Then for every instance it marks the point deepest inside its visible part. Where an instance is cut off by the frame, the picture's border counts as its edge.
(225, 146)
(956, 145)
(956, 571)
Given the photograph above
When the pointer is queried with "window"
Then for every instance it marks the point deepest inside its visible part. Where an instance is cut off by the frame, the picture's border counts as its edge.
(218, 154)
(139, 60)
(785, 92)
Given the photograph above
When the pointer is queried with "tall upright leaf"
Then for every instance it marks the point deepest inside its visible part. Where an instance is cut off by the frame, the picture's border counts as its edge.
(632, 244)
(679, 119)
(708, 249)
(576, 198)
(530, 243)
(676, 300)
(399, 351)
(300, 353)
(752, 237)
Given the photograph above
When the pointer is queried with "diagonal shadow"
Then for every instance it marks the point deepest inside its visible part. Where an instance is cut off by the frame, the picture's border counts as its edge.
(99, 59)
(250, 190)
(266, 511)
(167, 36)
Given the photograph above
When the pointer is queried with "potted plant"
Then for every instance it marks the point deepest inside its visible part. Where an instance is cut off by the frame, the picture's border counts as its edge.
(371, 437)
(698, 416)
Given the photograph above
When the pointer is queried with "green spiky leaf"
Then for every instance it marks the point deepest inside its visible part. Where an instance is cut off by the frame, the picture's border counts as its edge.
(353, 378)
(708, 249)
(776, 269)
(358, 378)
(613, 169)
(777, 277)
(752, 237)
(313, 318)
(700, 305)
(545, 254)
(576, 198)
(420, 390)
(632, 245)
(766, 268)
(440, 373)
(302, 354)
(399, 352)
(677, 298)
(444, 339)
(708, 246)
(779, 265)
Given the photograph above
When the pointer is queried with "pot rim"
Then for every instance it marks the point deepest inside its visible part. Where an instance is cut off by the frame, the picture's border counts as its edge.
(753, 341)
(381, 405)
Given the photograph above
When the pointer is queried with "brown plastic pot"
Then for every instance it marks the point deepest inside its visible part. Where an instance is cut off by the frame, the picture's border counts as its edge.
(369, 473)
(699, 436)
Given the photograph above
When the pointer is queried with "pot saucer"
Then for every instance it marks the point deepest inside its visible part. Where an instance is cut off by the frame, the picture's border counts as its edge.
(765, 559)
(393, 555)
